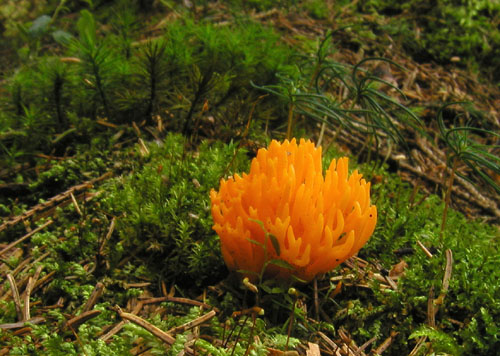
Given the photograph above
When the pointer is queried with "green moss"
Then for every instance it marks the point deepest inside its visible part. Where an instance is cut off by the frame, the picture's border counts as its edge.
(402, 221)
(446, 29)
(197, 77)
(191, 67)
(163, 209)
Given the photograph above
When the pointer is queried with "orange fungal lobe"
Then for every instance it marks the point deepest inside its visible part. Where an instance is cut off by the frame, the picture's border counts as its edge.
(318, 221)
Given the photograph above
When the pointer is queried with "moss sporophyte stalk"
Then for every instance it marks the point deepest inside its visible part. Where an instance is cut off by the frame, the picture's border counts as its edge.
(286, 209)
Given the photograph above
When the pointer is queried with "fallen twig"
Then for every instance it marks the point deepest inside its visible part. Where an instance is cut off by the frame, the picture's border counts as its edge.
(115, 329)
(75, 322)
(387, 342)
(29, 287)
(27, 236)
(178, 300)
(94, 297)
(193, 323)
(146, 325)
(53, 201)
(426, 251)
(15, 296)
(21, 324)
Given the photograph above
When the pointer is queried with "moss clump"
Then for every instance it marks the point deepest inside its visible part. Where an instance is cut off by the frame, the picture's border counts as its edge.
(163, 210)
(465, 323)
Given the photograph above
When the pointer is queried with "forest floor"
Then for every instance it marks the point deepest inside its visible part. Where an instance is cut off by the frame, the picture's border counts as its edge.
(83, 231)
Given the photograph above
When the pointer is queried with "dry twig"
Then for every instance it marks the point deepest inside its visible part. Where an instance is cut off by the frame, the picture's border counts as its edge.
(387, 342)
(53, 201)
(96, 294)
(75, 322)
(15, 296)
(27, 236)
(193, 323)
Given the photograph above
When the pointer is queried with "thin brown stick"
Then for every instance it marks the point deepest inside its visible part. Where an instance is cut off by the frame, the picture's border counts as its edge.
(431, 313)
(15, 296)
(446, 280)
(108, 235)
(178, 300)
(21, 324)
(29, 287)
(39, 268)
(316, 299)
(44, 279)
(418, 346)
(193, 323)
(75, 322)
(94, 297)
(426, 251)
(113, 331)
(363, 347)
(146, 325)
(391, 282)
(329, 341)
(20, 266)
(348, 342)
(85, 197)
(27, 236)
(387, 342)
(448, 270)
(37, 274)
(53, 201)
(75, 204)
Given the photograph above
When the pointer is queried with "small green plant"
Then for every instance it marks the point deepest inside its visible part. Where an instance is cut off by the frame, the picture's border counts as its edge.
(464, 147)
(364, 107)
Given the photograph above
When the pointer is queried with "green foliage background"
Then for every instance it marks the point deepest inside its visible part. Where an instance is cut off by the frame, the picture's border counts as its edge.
(169, 112)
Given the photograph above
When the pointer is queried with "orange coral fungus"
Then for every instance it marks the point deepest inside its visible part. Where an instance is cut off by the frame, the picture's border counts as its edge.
(318, 222)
